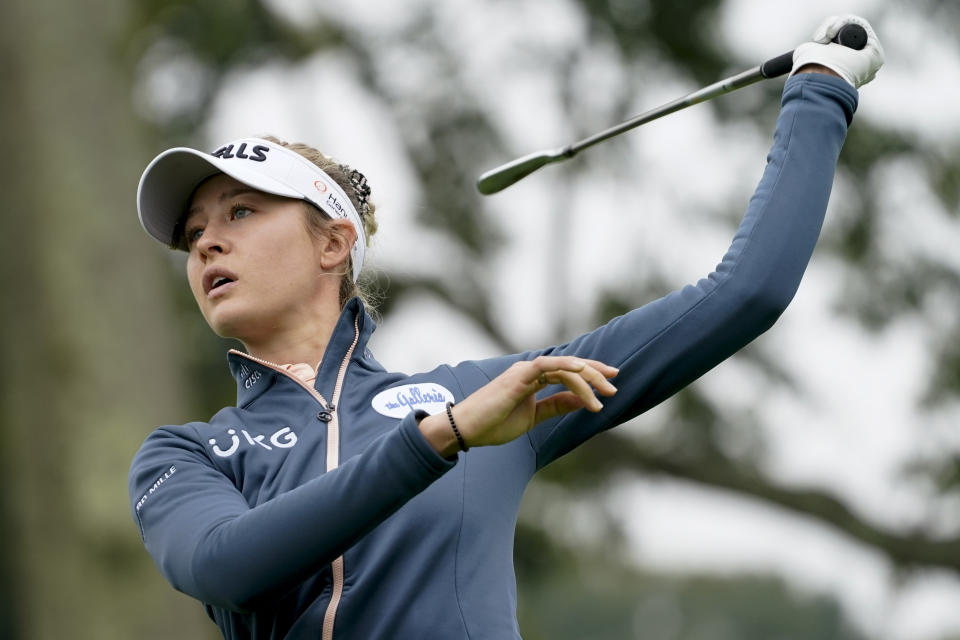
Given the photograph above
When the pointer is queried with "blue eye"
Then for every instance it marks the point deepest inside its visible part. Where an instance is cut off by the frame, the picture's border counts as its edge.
(240, 211)
(192, 235)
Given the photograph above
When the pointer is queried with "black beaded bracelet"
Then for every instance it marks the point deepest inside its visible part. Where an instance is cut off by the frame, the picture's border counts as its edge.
(456, 432)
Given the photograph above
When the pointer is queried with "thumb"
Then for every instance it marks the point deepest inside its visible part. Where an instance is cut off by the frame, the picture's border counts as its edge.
(827, 30)
(557, 404)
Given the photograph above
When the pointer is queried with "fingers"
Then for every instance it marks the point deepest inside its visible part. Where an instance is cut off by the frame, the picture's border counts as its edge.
(584, 379)
(544, 365)
(579, 387)
(580, 376)
(605, 369)
(829, 28)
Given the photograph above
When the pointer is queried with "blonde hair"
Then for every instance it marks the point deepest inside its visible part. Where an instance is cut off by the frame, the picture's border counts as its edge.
(354, 184)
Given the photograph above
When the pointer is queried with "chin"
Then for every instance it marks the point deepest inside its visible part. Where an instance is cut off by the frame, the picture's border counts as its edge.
(227, 323)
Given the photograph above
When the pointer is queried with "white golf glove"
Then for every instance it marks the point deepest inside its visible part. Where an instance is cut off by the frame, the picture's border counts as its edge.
(856, 67)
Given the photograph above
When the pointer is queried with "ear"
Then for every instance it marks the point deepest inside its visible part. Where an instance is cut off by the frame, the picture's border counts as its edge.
(334, 248)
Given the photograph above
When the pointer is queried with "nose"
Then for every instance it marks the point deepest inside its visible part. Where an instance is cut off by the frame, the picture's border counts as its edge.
(213, 240)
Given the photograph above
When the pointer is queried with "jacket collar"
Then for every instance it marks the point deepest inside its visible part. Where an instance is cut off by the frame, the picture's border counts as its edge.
(254, 377)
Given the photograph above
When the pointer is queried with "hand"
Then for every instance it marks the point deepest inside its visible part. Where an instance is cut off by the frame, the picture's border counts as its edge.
(856, 67)
(506, 407)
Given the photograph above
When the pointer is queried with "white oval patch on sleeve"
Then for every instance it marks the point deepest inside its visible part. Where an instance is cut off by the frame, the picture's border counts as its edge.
(396, 402)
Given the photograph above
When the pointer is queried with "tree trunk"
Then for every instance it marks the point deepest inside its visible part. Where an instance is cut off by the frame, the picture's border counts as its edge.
(89, 338)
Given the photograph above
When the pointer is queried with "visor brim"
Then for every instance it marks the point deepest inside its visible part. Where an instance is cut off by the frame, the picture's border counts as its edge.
(168, 184)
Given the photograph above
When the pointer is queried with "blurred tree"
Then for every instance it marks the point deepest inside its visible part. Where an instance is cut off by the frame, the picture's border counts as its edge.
(574, 600)
(11, 619)
(87, 333)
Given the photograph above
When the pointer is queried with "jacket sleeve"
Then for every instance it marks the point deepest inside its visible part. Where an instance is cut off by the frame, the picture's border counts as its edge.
(210, 544)
(666, 344)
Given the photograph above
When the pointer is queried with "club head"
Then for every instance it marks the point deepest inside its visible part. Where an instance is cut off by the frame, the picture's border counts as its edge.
(505, 175)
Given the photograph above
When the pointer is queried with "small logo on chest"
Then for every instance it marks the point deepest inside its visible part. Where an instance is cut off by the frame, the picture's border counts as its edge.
(250, 378)
(397, 402)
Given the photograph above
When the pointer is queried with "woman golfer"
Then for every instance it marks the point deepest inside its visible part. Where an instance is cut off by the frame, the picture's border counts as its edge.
(338, 500)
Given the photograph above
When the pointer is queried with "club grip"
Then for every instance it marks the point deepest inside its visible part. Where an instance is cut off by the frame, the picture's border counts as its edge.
(850, 35)
(778, 66)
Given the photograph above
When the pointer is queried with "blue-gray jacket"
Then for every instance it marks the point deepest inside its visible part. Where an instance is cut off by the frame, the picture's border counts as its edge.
(322, 513)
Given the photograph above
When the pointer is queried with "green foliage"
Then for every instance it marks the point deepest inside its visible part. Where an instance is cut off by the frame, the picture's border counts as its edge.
(585, 596)
(945, 178)
(684, 33)
(213, 38)
(222, 33)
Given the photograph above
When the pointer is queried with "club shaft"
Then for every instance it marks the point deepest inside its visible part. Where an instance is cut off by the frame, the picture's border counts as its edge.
(851, 35)
(701, 95)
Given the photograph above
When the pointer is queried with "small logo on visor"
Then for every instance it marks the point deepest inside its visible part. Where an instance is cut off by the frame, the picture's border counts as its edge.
(257, 154)
(320, 186)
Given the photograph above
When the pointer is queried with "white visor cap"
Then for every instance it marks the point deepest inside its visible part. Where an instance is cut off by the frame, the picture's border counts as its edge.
(168, 183)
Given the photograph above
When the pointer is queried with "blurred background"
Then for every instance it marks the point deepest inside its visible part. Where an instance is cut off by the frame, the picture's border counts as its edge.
(807, 488)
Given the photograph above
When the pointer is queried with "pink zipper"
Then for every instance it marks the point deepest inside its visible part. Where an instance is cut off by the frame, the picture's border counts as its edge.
(333, 457)
(333, 461)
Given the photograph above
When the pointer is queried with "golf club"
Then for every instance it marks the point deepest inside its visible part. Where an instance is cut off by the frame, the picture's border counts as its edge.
(851, 35)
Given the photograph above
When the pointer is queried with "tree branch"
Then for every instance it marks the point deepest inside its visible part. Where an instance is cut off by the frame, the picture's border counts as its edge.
(904, 549)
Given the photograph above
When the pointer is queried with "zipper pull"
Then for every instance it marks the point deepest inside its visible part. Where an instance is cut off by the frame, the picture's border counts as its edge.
(327, 414)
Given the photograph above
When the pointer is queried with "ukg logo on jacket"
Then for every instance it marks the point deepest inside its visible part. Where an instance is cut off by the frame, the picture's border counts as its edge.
(283, 438)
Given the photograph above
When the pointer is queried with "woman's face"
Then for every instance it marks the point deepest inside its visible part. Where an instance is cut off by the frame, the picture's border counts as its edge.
(252, 266)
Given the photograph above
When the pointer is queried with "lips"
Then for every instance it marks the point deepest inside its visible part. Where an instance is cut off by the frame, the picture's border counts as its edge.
(217, 280)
